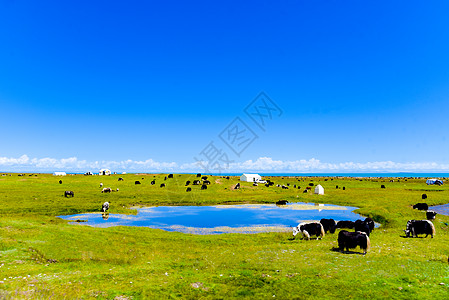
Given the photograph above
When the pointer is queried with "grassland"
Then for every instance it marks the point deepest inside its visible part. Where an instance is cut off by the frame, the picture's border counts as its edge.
(42, 256)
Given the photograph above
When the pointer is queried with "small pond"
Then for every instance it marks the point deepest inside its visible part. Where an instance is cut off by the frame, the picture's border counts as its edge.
(441, 209)
(245, 218)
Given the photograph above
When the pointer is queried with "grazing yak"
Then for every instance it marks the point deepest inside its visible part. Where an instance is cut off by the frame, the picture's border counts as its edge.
(350, 240)
(305, 191)
(198, 175)
(60, 181)
(120, 179)
(170, 175)
(153, 182)
(415, 227)
(196, 182)
(189, 189)
(424, 196)
(309, 229)
(187, 182)
(345, 224)
(281, 202)
(206, 182)
(362, 226)
(101, 184)
(162, 185)
(69, 193)
(430, 215)
(105, 207)
(382, 186)
(329, 225)
(106, 190)
(204, 178)
(137, 182)
(204, 187)
(421, 206)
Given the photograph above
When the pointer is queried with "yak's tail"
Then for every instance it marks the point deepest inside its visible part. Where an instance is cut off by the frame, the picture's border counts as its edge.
(322, 230)
(433, 228)
(368, 244)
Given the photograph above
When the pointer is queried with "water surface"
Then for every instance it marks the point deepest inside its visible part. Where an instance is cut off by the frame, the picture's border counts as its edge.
(245, 218)
(441, 209)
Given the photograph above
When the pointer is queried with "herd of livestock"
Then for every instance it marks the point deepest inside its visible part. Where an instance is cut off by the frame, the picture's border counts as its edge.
(346, 239)
(362, 229)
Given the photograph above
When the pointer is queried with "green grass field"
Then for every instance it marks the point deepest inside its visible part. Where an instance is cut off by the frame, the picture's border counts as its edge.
(42, 256)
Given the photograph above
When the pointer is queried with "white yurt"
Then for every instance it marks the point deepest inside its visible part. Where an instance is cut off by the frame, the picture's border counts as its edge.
(250, 177)
(319, 190)
(59, 174)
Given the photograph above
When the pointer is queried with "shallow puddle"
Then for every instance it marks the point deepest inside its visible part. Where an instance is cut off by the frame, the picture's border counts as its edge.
(245, 218)
(441, 209)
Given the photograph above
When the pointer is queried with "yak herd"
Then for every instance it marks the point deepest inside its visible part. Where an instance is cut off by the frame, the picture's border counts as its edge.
(362, 229)
(346, 239)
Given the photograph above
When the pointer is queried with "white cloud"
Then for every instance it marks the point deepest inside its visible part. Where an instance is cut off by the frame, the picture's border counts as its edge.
(262, 164)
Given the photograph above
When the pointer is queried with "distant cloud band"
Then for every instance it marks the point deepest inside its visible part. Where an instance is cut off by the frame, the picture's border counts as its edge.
(262, 164)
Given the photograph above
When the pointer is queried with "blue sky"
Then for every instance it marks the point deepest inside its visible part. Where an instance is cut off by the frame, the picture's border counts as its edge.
(146, 86)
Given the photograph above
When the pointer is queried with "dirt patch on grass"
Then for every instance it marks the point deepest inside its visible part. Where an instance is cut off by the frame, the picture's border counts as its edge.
(218, 181)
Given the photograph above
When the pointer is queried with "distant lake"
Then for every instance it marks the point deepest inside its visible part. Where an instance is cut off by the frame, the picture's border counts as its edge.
(245, 218)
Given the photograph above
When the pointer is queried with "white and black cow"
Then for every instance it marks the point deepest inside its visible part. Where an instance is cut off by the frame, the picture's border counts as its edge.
(415, 227)
(430, 214)
(69, 193)
(421, 206)
(309, 229)
(106, 190)
(370, 223)
(329, 225)
(105, 207)
(350, 240)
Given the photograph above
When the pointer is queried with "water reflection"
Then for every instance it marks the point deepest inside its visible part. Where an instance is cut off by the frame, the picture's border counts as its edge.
(245, 218)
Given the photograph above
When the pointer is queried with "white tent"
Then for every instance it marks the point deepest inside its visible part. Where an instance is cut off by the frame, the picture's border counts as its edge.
(319, 190)
(250, 177)
(104, 172)
(434, 181)
(59, 174)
